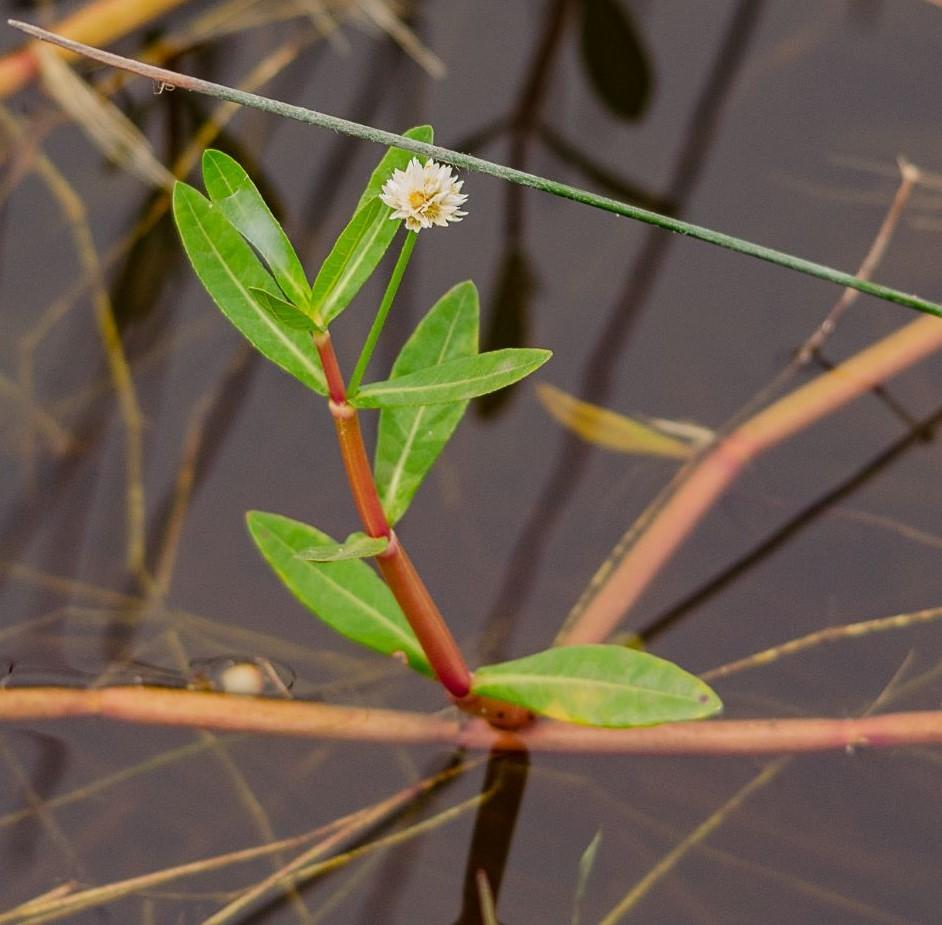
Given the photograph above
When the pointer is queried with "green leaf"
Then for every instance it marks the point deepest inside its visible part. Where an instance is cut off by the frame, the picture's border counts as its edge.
(614, 58)
(355, 546)
(353, 258)
(347, 595)
(411, 439)
(395, 159)
(599, 685)
(229, 270)
(362, 244)
(285, 313)
(454, 380)
(232, 191)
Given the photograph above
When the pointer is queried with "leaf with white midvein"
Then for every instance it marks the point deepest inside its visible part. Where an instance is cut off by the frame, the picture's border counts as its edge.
(364, 241)
(232, 191)
(454, 380)
(599, 685)
(347, 595)
(352, 260)
(410, 439)
(229, 269)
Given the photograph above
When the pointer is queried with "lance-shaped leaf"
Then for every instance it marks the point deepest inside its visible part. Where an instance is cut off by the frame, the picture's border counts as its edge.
(411, 439)
(355, 546)
(232, 191)
(394, 159)
(347, 595)
(362, 244)
(352, 260)
(455, 380)
(229, 270)
(285, 313)
(599, 685)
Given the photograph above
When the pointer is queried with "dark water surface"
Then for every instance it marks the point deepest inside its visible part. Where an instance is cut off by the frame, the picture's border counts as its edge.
(777, 122)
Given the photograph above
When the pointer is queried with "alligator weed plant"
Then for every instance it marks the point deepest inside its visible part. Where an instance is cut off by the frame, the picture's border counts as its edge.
(247, 264)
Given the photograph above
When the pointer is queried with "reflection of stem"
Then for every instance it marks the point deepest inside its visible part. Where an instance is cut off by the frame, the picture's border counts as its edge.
(493, 832)
(327, 838)
(921, 431)
(617, 587)
(571, 462)
(197, 709)
(407, 587)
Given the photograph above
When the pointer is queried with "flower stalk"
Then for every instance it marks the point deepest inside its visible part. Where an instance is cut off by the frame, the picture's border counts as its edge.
(382, 313)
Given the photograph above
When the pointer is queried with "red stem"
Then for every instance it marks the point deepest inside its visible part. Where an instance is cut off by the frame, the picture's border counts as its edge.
(407, 587)
(159, 706)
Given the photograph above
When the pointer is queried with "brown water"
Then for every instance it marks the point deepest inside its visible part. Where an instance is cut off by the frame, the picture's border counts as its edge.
(779, 123)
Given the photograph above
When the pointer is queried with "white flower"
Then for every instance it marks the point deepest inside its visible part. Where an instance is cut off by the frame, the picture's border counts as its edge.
(424, 195)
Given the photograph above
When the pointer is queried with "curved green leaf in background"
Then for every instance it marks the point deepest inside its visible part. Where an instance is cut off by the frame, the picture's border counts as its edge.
(347, 595)
(229, 269)
(410, 439)
(599, 685)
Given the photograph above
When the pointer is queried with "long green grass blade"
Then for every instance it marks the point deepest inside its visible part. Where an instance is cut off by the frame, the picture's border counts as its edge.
(229, 270)
(469, 162)
(599, 685)
(411, 439)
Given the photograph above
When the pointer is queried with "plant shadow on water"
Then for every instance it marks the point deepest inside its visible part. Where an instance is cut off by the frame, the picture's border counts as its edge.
(126, 472)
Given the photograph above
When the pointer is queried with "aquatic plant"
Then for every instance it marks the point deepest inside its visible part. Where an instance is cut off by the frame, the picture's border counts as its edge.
(247, 264)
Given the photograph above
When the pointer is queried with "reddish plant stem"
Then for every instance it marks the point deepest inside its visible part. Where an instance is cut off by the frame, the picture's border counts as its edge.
(202, 710)
(407, 587)
(359, 473)
(661, 530)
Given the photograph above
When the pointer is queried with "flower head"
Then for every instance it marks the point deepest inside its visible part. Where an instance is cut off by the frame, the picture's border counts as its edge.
(424, 195)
